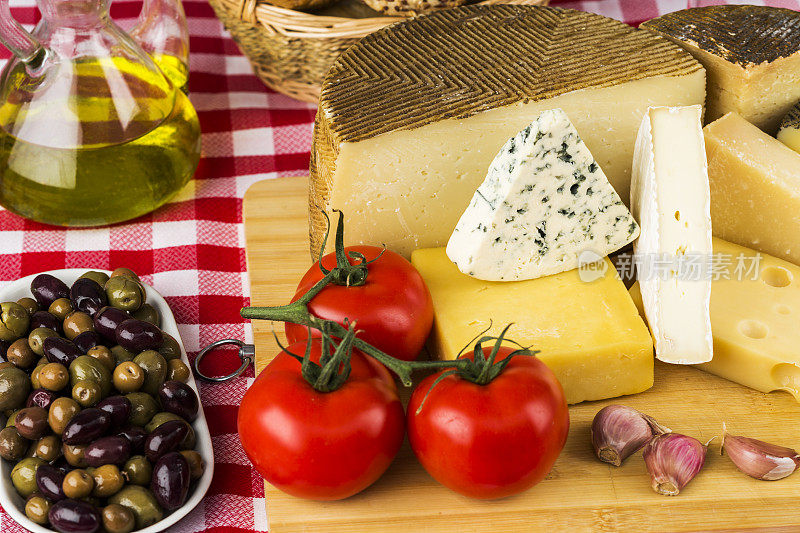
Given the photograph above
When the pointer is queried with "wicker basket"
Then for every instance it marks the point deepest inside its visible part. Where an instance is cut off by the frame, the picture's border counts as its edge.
(292, 50)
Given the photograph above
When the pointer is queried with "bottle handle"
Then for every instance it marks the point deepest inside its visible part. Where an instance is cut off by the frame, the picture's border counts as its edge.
(21, 43)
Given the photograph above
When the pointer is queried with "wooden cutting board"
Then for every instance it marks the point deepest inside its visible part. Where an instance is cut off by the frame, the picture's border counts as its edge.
(581, 493)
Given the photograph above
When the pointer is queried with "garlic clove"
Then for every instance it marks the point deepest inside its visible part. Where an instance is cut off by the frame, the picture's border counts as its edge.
(759, 459)
(619, 431)
(673, 460)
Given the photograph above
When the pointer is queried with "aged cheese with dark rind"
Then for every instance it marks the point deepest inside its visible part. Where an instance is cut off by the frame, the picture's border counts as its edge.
(460, 63)
(789, 132)
(751, 54)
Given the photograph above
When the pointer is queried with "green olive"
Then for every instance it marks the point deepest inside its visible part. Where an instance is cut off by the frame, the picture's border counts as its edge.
(125, 293)
(75, 454)
(108, 480)
(104, 355)
(86, 368)
(47, 448)
(6, 364)
(21, 354)
(76, 323)
(143, 407)
(188, 442)
(122, 354)
(118, 519)
(14, 388)
(128, 377)
(61, 412)
(177, 370)
(35, 383)
(86, 393)
(12, 445)
(36, 508)
(30, 305)
(98, 277)
(142, 502)
(36, 339)
(23, 475)
(11, 417)
(124, 272)
(54, 376)
(155, 370)
(170, 348)
(14, 321)
(148, 313)
(138, 470)
(61, 308)
(196, 464)
(78, 484)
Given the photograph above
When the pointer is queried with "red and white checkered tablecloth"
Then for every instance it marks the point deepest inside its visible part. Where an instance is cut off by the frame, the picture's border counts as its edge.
(192, 250)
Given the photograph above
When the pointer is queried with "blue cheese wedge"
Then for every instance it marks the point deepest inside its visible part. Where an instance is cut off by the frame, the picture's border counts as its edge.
(545, 202)
(671, 200)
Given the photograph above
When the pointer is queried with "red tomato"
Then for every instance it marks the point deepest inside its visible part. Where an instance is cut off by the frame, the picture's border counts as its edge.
(393, 308)
(321, 446)
(494, 440)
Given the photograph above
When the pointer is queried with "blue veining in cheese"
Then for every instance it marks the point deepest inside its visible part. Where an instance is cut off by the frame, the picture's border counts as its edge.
(544, 201)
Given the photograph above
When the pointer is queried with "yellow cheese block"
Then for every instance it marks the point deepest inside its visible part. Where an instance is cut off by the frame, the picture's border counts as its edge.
(755, 188)
(589, 333)
(755, 307)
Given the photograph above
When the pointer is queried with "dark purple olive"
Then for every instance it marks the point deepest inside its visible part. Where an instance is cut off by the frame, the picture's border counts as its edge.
(118, 408)
(87, 340)
(43, 319)
(107, 451)
(138, 336)
(164, 439)
(136, 435)
(86, 426)
(47, 289)
(41, 398)
(74, 516)
(170, 481)
(61, 350)
(49, 480)
(31, 422)
(107, 320)
(62, 465)
(179, 398)
(87, 296)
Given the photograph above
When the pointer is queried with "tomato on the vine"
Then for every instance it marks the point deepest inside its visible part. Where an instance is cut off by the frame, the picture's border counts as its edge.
(393, 308)
(490, 440)
(321, 445)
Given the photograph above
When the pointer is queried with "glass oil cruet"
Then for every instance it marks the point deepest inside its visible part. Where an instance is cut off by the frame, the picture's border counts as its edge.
(93, 130)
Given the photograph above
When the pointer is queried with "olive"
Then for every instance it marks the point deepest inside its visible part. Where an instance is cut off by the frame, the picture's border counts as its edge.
(14, 388)
(12, 445)
(179, 398)
(60, 308)
(76, 323)
(61, 350)
(12, 417)
(122, 355)
(128, 377)
(43, 319)
(136, 435)
(30, 305)
(102, 354)
(86, 426)
(170, 348)
(20, 354)
(108, 480)
(125, 293)
(62, 465)
(170, 482)
(78, 484)
(108, 450)
(31, 422)
(118, 519)
(86, 393)
(23, 475)
(49, 481)
(90, 369)
(87, 340)
(47, 448)
(14, 321)
(155, 370)
(148, 313)
(165, 438)
(118, 408)
(74, 516)
(138, 470)
(143, 408)
(98, 277)
(87, 296)
(125, 272)
(42, 398)
(37, 337)
(142, 502)
(187, 443)
(47, 289)
(35, 383)
(138, 336)
(177, 370)
(36, 508)
(107, 320)
(196, 464)
(54, 376)
(62, 411)
(75, 455)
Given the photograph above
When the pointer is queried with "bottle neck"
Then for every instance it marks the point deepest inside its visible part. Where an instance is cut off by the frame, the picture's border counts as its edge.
(75, 14)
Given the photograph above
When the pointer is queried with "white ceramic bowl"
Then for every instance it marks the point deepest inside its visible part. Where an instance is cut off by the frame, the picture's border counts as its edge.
(13, 502)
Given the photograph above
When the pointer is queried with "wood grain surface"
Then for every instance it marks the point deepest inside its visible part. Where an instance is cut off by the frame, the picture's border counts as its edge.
(581, 493)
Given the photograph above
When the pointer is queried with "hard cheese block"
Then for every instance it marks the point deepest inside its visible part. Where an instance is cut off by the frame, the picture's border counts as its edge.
(755, 188)
(755, 303)
(789, 132)
(544, 203)
(751, 55)
(670, 199)
(406, 129)
(589, 333)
